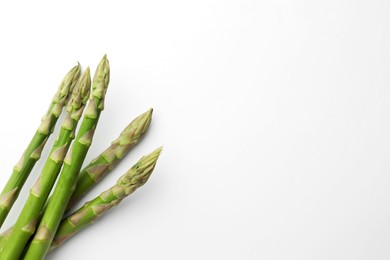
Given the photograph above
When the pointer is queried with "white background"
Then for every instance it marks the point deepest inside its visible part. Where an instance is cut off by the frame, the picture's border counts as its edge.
(274, 116)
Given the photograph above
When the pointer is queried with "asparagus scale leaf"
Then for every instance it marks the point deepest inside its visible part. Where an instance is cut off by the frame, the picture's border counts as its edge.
(137, 176)
(33, 152)
(31, 213)
(72, 164)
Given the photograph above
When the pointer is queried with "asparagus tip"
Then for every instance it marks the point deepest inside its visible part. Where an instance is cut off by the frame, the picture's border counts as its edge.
(140, 172)
(85, 85)
(150, 159)
(80, 93)
(101, 79)
(137, 127)
(146, 164)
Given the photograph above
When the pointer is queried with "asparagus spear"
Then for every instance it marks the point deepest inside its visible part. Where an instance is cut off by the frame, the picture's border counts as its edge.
(102, 164)
(92, 210)
(31, 213)
(105, 162)
(72, 165)
(33, 152)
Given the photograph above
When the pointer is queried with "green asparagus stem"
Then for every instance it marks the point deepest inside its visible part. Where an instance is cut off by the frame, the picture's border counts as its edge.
(105, 162)
(72, 165)
(33, 152)
(92, 210)
(26, 224)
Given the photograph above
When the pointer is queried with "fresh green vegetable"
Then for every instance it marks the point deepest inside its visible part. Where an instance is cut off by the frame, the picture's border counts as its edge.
(102, 164)
(42, 224)
(105, 162)
(33, 152)
(67, 181)
(31, 213)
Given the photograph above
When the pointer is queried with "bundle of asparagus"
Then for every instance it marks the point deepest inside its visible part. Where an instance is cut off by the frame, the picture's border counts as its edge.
(46, 223)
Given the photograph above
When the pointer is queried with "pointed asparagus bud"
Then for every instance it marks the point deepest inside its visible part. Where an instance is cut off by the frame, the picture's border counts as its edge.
(66, 86)
(140, 172)
(80, 95)
(101, 79)
(76, 77)
(100, 83)
(134, 131)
